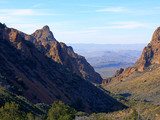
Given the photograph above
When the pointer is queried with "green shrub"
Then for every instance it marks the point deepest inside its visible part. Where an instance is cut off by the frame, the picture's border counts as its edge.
(60, 111)
(10, 111)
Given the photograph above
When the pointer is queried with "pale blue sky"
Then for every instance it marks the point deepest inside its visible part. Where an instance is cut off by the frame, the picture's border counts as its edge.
(85, 21)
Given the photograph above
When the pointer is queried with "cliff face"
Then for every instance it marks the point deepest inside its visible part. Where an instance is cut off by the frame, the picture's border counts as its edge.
(26, 71)
(151, 53)
(63, 54)
(150, 56)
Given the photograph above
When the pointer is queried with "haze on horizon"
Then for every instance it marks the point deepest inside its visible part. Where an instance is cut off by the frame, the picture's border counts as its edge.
(81, 21)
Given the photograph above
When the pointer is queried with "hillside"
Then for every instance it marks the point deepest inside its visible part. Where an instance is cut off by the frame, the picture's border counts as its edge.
(141, 81)
(27, 71)
(28, 111)
(26, 106)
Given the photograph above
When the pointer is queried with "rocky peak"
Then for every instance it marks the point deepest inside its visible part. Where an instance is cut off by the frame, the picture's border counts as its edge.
(44, 34)
(2, 26)
(46, 28)
(156, 36)
(64, 55)
(118, 72)
(151, 53)
(150, 56)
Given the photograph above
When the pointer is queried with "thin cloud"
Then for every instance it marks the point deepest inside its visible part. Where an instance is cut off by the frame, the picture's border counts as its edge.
(143, 12)
(77, 32)
(157, 7)
(124, 25)
(37, 5)
(90, 5)
(9, 19)
(2, 2)
(24, 12)
(112, 9)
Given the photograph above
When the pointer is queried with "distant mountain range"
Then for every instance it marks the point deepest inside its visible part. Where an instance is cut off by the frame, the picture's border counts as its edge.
(142, 80)
(38, 67)
(107, 58)
(79, 47)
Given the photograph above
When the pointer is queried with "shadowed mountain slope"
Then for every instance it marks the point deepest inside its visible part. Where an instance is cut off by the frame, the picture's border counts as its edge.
(26, 71)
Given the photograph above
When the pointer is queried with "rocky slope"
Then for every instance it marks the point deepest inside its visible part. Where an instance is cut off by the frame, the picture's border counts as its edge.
(142, 80)
(150, 56)
(26, 71)
(63, 54)
(151, 53)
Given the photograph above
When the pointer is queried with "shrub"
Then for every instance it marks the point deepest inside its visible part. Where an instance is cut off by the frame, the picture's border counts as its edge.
(60, 111)
(10, 111)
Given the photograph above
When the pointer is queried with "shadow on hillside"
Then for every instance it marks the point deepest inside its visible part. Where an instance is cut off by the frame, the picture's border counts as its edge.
(125, 94)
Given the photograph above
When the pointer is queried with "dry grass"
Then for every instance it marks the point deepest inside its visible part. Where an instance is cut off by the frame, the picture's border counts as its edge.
(140, 86)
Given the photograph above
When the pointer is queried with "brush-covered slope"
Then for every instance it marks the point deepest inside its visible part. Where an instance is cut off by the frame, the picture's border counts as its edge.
(63, 54)
(26, 106)
(26, 71)
(141, 81)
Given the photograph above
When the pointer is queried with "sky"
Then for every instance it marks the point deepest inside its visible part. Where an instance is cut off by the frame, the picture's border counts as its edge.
(85, 21)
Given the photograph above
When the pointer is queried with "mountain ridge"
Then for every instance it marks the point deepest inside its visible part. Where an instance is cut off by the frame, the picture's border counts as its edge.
(63, 54)
(142, 80)
(26, 71)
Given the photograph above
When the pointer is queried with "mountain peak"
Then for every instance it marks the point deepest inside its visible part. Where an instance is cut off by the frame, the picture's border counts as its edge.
(46, 28)
(44, 34)
(2, 25)
(150, 57)
(156, 35)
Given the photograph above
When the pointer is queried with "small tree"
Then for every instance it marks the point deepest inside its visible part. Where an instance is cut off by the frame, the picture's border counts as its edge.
(10, 111)
(30, 116)
(60, 111)
(134, 115)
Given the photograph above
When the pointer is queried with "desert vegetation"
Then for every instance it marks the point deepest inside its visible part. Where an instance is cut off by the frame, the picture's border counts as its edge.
(14, 107)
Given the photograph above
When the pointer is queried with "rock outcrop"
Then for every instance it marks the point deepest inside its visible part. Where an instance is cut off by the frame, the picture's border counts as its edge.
(151, 53)
(63, 54)
(150, 56)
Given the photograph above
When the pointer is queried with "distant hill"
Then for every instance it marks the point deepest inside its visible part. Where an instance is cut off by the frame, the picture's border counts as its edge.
(142, 80)
(26, 70)
(107, 58)
(79, 47)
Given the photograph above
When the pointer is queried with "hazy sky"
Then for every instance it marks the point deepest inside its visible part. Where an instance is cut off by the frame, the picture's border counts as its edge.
(85, 21)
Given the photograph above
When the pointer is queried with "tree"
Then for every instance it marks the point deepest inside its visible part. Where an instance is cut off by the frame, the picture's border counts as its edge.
(10, 111)
(60, 111)
(134, 115)
(30, 116)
